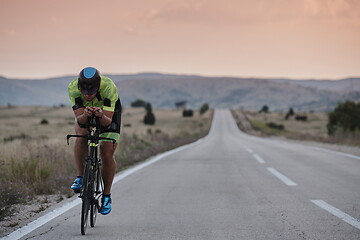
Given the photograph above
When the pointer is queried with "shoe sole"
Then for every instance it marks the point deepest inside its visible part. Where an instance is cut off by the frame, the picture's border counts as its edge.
(105, 213)
(76, 190)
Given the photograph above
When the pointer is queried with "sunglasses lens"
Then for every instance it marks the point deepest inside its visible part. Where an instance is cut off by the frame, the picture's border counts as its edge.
(89, 91)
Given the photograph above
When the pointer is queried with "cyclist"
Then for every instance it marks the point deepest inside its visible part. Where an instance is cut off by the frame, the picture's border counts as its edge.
(93, 94)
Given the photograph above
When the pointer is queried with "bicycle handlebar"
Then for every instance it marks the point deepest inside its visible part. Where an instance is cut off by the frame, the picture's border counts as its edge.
(91, 138)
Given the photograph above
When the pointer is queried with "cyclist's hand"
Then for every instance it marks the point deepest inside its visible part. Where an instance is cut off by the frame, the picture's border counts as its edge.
(98, 112)
(88, 111)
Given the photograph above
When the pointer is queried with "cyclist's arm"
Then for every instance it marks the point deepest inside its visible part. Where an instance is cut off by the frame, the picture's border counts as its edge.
(82, 114)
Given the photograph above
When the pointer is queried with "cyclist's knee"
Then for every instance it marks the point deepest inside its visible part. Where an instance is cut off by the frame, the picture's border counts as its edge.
(107, 156)
(107, 150)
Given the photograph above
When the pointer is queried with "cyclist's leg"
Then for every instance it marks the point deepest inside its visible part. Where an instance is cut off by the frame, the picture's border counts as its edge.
(108, 165)
(107, 149)
(80, 149)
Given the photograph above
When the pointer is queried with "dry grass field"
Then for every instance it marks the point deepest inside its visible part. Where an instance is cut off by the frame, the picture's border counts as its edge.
(315, 126)
(313, 129)
(35, 159)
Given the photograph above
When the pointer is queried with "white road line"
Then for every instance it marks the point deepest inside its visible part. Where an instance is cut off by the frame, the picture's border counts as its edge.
(57, 212)
(282, 177)
(336, 152)
(249, 150)
(338, 213)
(258, 158)
(42, 220)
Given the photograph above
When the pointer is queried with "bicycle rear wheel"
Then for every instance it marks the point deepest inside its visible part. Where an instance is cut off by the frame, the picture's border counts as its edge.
(86, 198)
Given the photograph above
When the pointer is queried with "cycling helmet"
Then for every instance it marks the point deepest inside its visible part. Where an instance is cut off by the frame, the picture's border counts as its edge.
(89, 80)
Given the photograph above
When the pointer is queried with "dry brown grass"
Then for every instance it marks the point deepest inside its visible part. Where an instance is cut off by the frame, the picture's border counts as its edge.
(315, 125)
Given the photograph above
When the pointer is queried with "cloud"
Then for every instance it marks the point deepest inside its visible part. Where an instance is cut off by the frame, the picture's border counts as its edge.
(348, 10)
(245, 12)
(176, 11)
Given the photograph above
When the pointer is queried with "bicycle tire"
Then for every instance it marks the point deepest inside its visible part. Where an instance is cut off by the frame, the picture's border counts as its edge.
(94, 208)
(86, 198)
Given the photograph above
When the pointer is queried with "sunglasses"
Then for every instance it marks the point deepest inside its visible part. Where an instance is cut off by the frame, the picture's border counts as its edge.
(89, 91)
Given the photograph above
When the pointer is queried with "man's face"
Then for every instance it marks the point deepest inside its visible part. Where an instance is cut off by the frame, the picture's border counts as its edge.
(89, 97)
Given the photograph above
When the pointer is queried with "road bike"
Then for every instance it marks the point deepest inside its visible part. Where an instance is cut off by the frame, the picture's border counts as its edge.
(93, 185)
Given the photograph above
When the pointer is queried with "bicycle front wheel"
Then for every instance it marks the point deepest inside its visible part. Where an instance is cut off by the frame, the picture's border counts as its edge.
(94, 208)
(86, 198)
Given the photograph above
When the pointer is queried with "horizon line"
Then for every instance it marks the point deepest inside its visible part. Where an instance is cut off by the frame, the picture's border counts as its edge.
(187, 74)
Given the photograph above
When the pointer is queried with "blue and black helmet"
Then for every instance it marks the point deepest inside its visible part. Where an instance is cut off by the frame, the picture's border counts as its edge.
(89, 80)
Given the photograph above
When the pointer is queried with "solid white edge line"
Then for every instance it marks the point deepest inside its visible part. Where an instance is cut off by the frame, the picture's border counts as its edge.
(338, 213)
(282, 177)
(336, 152)
(28, 228)
(258, 158)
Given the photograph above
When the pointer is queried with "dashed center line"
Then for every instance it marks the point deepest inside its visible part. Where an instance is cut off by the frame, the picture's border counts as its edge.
(249, 150)
(338, 213)
(282, 177)
(258, 158)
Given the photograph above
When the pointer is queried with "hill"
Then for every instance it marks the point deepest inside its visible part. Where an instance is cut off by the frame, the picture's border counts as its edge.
(162, 90)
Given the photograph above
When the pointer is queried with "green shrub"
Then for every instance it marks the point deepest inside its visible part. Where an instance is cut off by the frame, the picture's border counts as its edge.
(12, 138)
(344, 118)
(275, 126)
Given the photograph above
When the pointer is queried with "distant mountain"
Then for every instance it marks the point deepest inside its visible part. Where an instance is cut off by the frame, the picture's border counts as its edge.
(163, 90)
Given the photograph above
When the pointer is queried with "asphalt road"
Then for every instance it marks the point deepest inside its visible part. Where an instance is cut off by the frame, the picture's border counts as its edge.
(230, 186)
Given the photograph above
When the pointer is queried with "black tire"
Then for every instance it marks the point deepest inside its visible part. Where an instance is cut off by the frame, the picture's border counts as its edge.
(86, 198)
(95, 204)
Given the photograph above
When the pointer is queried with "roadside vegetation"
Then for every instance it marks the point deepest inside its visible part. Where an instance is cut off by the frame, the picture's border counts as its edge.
(36, 161)
(341, 126)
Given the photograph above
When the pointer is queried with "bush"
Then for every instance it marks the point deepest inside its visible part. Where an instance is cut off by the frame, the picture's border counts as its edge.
(188, 113)
(264, 109)
(290, 113)
(275, 126)
(12, 138)
(301, 118)
(44, 121)
(344, 118)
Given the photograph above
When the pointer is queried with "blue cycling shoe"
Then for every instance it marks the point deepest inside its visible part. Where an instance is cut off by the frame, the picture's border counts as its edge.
(105, 205)
(77, 185)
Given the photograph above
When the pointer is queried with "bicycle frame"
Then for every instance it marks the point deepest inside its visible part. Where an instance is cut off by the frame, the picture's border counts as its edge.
(92, 183)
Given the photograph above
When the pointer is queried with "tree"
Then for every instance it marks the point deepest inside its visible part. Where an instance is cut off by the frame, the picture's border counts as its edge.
(290, 113)
(149, 118)
(204, 108)
(345, 117)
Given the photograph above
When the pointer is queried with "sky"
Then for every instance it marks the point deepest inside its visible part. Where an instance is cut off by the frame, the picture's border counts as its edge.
(299, 39)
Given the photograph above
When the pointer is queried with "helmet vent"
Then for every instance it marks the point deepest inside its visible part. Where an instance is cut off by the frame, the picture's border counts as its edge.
(89, 72)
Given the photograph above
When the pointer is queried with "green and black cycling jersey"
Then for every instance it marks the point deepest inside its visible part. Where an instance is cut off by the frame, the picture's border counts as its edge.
(107, 98)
